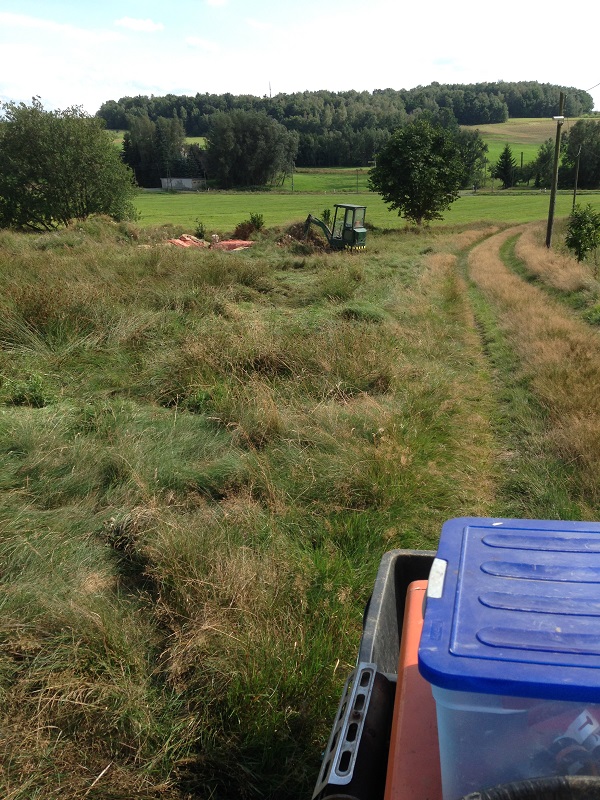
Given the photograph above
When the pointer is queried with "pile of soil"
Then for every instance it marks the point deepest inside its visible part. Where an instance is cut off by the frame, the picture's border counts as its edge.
(296, 233)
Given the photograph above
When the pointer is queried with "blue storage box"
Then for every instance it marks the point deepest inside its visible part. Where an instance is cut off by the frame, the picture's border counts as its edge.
(511, 647)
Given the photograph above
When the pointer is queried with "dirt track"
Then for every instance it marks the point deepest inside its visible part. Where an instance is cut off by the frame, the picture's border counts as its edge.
(557, 352)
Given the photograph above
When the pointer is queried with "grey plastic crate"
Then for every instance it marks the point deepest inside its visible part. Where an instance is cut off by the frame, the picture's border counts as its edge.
(355, 760)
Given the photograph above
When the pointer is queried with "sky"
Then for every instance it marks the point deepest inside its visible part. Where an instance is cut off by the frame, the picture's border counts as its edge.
(83, 53)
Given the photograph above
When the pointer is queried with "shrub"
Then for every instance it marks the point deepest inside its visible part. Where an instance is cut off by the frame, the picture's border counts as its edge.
(258, 221)
(243, 230)
(200, 230)
(583, 231)
(246, 228)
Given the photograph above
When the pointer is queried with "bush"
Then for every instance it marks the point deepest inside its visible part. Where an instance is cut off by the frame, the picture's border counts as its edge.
(200, 230)
(245, 229)
(69, 159)
(583, 231)
(258, 221)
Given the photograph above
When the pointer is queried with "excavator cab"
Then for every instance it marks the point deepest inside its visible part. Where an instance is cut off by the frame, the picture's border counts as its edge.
(348, 230)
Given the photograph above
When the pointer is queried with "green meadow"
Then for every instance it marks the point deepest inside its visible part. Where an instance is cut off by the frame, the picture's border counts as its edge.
(220, 212)
(313, 190)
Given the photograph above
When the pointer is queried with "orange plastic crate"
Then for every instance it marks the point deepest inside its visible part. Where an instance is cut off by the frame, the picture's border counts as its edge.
(414, 762)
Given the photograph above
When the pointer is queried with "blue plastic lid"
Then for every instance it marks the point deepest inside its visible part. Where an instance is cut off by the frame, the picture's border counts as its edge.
(513, 608)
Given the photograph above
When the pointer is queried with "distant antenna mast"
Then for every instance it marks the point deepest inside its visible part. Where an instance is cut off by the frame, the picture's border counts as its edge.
(269, 90)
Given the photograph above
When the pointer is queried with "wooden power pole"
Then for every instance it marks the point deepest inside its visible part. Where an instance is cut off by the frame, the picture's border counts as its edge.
(559, 122)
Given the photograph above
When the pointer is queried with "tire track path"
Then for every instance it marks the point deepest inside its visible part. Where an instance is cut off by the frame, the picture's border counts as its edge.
(559, 359)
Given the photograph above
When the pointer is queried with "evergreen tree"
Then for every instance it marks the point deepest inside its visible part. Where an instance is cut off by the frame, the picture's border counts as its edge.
(505, 169)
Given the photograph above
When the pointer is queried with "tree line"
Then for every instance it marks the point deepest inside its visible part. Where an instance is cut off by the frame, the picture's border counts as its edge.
(249, 149)
(347, 128)
(56, 166)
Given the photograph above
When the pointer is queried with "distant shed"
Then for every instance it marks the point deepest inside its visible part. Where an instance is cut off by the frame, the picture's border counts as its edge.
(183, 184)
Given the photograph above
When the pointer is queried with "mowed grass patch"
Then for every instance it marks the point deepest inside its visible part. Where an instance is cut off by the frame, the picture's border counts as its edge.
(221, 212)
(523, 135)
(348, 180)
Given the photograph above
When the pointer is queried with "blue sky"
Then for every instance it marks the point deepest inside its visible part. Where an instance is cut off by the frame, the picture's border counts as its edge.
(83, 53)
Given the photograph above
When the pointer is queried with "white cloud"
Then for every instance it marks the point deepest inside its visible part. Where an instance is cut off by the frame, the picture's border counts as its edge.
(143, 25)
(22, 21)
(202, 44)
(30, 24)
(257, 25)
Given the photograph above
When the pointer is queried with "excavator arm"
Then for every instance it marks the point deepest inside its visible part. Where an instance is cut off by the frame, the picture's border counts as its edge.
(319, 223)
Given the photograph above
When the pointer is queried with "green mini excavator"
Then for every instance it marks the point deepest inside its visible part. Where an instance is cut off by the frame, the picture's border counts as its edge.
(348, 231)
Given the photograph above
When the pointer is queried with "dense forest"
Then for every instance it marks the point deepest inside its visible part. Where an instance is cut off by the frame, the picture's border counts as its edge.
(348, 128)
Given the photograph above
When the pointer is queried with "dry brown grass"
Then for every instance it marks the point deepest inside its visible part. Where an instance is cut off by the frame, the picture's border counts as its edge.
(465, 239)
(560, 356)
(559, 270)
(522, 130)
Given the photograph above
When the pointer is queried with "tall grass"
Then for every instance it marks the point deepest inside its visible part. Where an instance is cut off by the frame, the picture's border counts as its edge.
(203, 457)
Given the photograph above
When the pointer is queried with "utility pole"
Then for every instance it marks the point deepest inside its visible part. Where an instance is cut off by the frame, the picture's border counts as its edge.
(576, 177)
(559, 122)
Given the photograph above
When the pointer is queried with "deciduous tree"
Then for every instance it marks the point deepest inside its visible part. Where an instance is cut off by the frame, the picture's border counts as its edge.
(419, 171)
(248, 148)
(583, 144)
(56, 166)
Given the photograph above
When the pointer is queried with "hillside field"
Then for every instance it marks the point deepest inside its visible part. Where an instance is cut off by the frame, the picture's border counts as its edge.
(524, 136)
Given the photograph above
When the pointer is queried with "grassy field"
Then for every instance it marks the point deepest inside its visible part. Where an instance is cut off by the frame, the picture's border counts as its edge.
(220, 212)
(203, 456)
(314, 190)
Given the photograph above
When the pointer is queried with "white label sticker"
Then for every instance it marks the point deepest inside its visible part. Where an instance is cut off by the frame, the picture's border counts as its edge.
(437, 574)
